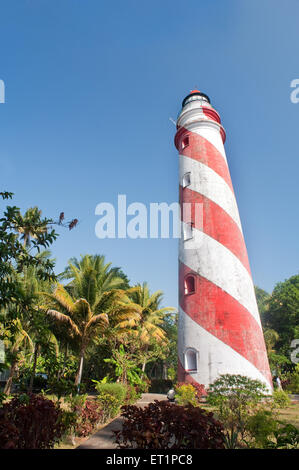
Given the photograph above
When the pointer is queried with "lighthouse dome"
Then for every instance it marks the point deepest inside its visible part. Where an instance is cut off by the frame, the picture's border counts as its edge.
(195, 95)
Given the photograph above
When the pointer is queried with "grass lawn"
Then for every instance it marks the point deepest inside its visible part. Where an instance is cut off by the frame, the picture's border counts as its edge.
(290, 414)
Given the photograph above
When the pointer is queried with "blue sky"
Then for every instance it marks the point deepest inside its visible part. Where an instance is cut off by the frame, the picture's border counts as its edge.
(90, 87)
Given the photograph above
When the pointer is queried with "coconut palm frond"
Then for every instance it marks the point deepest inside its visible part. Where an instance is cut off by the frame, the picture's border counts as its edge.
(60, 298)
(127, 323)
(82, 311)
(101, 319)
(64, 318)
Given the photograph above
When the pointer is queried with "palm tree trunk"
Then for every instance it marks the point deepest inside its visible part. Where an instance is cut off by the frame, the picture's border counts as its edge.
(26, 236)
(8, 384)
(36, 348)
(80, 369)
(61, 371)
(144, 363)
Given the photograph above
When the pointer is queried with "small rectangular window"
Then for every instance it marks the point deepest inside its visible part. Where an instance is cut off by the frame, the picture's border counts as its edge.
(191, 360)
(186, 179)
(187, 231)
(189, 284)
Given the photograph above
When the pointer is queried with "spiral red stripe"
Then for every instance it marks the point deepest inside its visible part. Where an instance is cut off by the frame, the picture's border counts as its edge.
(202, 150)
(215, 222)
(225, 318)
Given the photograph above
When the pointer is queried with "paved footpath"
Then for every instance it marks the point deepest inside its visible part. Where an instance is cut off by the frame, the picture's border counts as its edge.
(104, 438)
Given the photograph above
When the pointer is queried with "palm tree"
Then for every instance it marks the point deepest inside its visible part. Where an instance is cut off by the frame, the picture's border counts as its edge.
(92, 302)
(91, 277)
(30, 225)
(85, 321)
(149, 325)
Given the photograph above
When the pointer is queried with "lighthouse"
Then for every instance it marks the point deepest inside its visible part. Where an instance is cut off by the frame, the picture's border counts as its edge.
(219, 329)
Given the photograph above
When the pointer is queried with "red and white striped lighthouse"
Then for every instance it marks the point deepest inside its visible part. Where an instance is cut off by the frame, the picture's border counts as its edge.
(219, 325)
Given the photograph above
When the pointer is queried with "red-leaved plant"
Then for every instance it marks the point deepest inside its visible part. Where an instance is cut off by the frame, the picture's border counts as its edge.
(30, 422)
(90, 416)
(163, 425)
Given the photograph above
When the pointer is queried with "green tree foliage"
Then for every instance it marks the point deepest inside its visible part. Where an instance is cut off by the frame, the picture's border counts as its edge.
(280, 319)
(262, 298)
(111, 397)
(91, 277)
(147, 329)
(234, 396)
(283, 313)
(125, 366)
(14, 256)
(84, 321)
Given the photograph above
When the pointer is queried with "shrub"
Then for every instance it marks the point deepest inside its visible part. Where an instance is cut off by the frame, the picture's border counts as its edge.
(261, 427)
(162, 425)
(82, 415)
(90, 416)
(132, 395)
(117, 390)
(199, 388)
(76, 402)
(109, 405)
(186, 394)
(281, 399)
(35, 423)
(266, 432)
(240, 387)
(9, 434)
(235, 397)
(111, 396)
(286, 437)
(293, 382)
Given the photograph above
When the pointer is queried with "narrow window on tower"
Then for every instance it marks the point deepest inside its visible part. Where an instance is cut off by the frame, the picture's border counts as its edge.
(186, 179)
(191, 360)
(185, 142)
(189, 284)
(188, 230)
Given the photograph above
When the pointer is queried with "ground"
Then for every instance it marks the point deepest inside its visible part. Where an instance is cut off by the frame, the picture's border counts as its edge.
(103, 437)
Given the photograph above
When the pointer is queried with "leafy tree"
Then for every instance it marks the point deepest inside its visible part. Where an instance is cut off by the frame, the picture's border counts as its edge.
(37, 233)
(125, 366)
(148, 328)
(280, 320)
(94, 288)
(19, 339)
(234, 396)
(283, 314)
(91, 277)
(271, 338)
(85, 321)
(14, 256)
(30, 225)
(262, 298)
